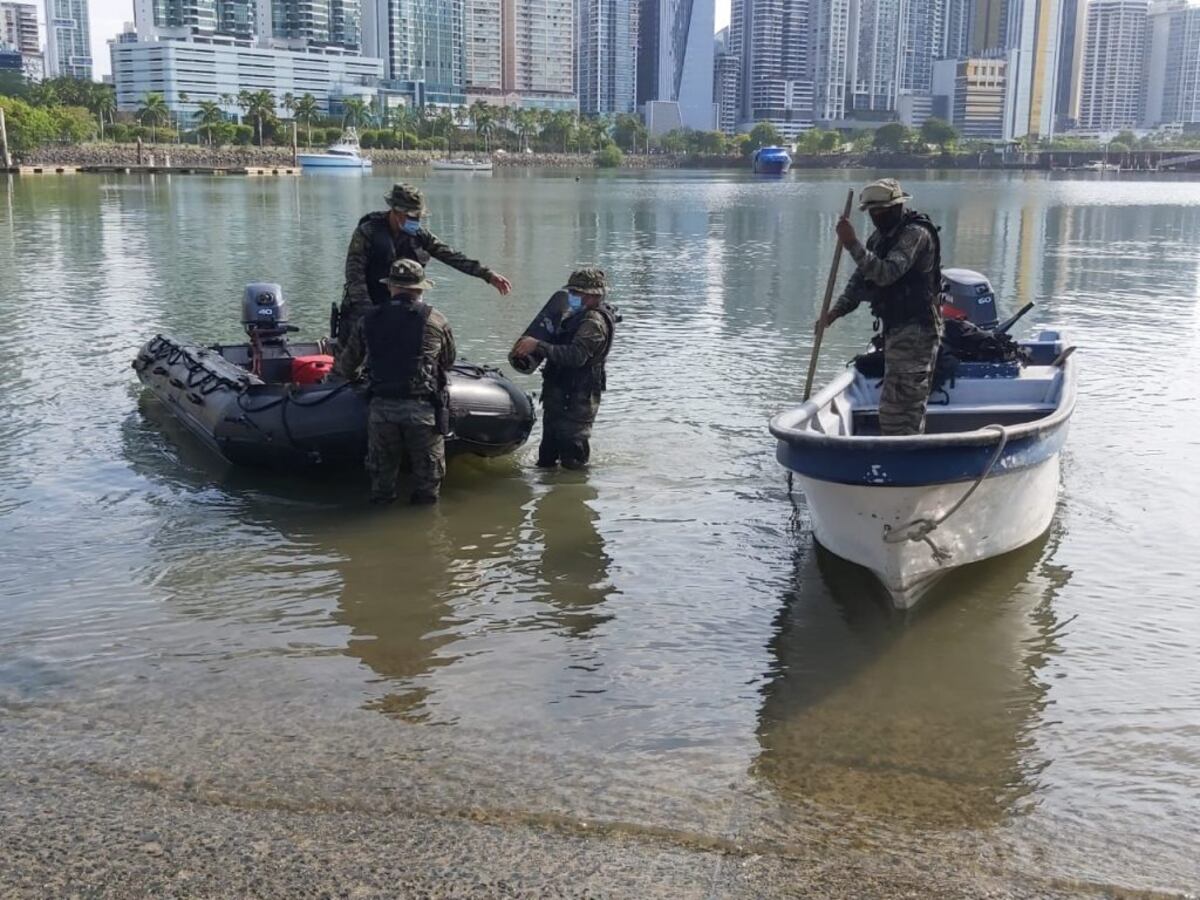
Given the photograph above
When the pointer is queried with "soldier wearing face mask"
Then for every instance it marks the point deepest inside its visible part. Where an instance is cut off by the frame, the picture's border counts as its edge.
(574, 377)
(380, 238)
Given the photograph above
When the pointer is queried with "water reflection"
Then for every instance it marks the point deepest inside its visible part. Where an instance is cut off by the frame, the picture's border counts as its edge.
(926, 716)
(573, 563)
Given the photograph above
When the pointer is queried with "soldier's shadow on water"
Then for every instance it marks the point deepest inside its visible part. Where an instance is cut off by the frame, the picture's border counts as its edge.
(926, 716)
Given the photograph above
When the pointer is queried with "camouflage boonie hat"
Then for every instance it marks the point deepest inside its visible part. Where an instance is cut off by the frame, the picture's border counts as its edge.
(406, 199)
(588, 280)
(881, 194)
(407, 273)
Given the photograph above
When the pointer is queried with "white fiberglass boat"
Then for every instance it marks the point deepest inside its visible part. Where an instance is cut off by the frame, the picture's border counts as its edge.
(345, 154)
(462, 165)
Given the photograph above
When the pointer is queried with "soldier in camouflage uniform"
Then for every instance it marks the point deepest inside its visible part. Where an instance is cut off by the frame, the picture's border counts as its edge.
(574, 376)
(397, 233)
(410, 348)
(899, 275)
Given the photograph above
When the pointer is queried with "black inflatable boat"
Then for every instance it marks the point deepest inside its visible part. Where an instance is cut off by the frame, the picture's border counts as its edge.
(261, 403)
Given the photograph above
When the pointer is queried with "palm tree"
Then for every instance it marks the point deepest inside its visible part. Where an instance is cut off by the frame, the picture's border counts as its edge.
(153, 111)
(208, 116)
(306, 112)
(105, 106)
(484, 120)
(258, 105)
(355, 112)
(227, 102)
(288, 102)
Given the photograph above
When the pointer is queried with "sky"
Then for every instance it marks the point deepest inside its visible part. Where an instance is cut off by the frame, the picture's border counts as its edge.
(109, 16)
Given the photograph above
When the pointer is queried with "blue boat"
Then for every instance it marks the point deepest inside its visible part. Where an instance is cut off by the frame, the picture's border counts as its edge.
(771, 161)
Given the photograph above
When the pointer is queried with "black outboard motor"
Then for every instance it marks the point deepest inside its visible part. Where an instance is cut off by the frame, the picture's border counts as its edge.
(971, 294)
(264, 313)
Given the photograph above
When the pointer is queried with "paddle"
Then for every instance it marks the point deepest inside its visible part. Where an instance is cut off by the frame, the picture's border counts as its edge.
(833, 270)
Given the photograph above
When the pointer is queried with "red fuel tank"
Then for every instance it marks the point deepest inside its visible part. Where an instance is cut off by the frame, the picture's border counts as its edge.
(310, 369)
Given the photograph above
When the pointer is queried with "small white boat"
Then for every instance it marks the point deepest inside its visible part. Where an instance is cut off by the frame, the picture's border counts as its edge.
(345, 154)
(982, 480)
(1098, 166)
(465, 164)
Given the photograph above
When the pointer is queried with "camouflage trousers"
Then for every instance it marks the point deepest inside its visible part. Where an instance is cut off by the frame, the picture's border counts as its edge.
(567, 419)
(909, 355)
(404, 428)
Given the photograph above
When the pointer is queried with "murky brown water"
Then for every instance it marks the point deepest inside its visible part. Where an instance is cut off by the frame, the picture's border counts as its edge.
(650, 647)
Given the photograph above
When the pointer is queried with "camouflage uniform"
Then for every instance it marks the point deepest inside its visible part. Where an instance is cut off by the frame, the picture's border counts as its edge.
(574, 377)
(399, 426)
(374, 246)
(910, 343)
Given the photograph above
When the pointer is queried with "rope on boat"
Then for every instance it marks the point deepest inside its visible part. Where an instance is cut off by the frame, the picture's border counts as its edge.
(920, 529)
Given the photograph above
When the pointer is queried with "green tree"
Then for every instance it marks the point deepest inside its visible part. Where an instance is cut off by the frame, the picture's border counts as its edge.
(105, 108)
(28, 126)
(73, 124)
(892, 137)
(940, 132)
(208, 117)
(259, 106)
(629, 132)
(674, 141)
(764, 134)
(610, 157)
(153, 112)
(354, 112)
(307, 112)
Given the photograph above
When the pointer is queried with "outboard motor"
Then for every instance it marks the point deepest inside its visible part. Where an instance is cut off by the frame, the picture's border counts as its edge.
(264, 313)
(970, 294)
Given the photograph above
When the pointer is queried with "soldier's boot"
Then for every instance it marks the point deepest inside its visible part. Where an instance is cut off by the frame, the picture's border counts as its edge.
(576, 449)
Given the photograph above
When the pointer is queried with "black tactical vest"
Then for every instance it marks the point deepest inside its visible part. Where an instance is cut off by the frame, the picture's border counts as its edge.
(914, 298)
(592, 377)
(395, 333)
(386, 249)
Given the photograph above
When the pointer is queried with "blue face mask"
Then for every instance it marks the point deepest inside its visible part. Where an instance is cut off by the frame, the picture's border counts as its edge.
(411, 226)
(574, 302)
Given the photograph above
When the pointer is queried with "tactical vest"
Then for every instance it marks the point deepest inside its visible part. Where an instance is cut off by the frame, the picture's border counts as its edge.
(384, 249)
(593, 377)
(395, 333)
(914, 298)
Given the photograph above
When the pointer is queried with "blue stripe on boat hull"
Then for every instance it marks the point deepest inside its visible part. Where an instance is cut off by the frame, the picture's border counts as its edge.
(849, 462)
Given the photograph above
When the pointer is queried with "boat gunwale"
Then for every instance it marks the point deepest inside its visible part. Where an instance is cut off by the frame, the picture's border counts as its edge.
(790, 434)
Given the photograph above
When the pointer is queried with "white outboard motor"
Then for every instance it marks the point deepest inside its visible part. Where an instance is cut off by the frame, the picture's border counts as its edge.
(971, 294)
(264, 311)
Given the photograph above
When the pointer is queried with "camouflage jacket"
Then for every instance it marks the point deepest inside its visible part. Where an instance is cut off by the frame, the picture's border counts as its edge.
(912, 247)
(438, 348)
(586, 350)
(373, 247)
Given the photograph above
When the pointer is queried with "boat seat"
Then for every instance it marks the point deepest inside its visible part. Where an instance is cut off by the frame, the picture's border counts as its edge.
(984, 408)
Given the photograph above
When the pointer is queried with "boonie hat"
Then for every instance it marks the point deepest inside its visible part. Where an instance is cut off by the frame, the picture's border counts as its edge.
(407, 273)
(406, 199)
(588, 280)
(881, 194)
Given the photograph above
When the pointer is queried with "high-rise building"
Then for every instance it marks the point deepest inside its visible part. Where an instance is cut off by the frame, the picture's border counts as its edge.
(68, 39)
(520, 52)
(726, 80)
(19, 30)
(19, 27)
(1113, 91)
(957, 41)
(182, 19)
(988, 25)
(675, 58)
(1173, 64)
(923, 40)
(771, 42)
(419, 41)
(830, 41)
(1031, 32)
(1070, 61)
(606, 55)
(874, 57)
(978, 104)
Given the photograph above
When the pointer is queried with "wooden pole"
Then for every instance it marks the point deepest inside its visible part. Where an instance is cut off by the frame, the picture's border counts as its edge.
(293, 143)
(4, 141)
(833, 270)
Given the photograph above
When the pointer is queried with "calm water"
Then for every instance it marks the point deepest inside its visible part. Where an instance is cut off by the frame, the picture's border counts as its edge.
(657, 645)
